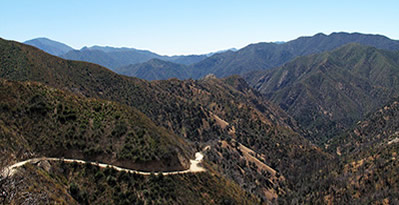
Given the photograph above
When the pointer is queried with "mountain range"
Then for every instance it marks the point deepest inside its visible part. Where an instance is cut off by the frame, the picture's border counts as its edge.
(111, 57)
(260, 56)
(263, 56)
(310, 121)
(116, 57)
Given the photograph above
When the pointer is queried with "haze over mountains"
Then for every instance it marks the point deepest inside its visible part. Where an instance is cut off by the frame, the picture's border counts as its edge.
(259, 56)
(309, 121)
(111, 57)
(263, 56)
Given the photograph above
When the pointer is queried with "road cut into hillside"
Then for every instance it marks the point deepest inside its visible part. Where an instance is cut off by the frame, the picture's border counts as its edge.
(194, 166)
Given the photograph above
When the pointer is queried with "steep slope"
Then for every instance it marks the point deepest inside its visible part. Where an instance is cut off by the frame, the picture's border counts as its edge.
(368, 167)
(378, 130)
(155, 70)
(49, 46)
(328, 92)
(37, 120)
(203, 111)
(235, 112)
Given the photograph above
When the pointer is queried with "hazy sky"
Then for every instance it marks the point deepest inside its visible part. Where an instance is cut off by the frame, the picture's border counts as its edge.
(191, 26)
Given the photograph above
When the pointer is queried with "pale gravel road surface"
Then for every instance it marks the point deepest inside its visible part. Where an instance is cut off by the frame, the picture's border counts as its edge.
(194, 166)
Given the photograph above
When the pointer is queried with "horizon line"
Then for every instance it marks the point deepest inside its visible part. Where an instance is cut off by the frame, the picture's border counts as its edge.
(203, 53)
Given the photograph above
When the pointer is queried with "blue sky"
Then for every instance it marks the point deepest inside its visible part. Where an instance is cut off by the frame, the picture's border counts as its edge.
(191, 26)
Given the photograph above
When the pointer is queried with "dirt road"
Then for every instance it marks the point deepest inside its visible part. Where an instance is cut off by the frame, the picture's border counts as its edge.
(194, 166)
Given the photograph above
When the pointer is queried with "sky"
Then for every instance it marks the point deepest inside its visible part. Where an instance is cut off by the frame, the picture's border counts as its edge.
(172, 27)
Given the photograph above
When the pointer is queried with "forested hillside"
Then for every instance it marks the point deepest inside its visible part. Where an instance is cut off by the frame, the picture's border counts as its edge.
(326, 93)
(366, 170)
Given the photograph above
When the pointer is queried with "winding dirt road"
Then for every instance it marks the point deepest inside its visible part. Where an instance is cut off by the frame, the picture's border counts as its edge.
(194, 166)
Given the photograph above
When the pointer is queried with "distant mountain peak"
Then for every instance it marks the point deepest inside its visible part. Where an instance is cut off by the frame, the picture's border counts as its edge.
(50, 46)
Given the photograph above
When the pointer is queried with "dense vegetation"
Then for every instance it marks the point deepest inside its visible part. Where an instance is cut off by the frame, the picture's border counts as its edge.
(326, 93)
(377, 130)
(36, 120)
